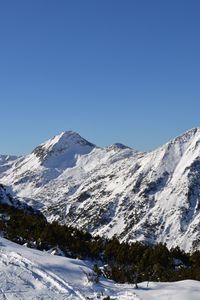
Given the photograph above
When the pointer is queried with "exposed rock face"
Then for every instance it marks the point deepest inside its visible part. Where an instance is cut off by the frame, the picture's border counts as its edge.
(151, 197)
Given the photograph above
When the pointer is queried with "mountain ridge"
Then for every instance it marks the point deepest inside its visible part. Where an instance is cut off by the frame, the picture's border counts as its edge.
(146, 196)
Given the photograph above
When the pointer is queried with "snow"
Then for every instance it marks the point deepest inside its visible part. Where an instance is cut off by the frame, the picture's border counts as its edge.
(133, 195)
(182, 290)
(31, 274)
(64, 149)
(6, 162)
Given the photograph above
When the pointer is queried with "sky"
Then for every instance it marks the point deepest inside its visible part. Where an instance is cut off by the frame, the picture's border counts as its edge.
(112, 70)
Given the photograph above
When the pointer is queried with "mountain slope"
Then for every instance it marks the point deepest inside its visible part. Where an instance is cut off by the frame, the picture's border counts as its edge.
(150, 197)
(6, 162)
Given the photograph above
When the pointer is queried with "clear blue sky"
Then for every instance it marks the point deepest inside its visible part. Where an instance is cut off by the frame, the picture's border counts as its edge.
(115, 71)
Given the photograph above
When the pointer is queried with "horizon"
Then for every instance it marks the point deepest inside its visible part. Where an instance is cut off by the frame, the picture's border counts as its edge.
(101, 146)
(112, 71)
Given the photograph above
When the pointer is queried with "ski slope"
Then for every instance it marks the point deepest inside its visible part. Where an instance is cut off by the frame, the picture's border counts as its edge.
(32, 274)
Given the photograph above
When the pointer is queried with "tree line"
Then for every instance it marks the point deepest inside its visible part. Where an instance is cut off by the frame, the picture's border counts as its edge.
(120, 261)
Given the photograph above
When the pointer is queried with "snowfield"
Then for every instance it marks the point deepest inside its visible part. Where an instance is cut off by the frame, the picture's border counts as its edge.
(32, 274)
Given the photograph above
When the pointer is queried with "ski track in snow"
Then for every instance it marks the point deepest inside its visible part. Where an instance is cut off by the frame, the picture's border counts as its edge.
(22, 279)
(28, 274)
(47, 279)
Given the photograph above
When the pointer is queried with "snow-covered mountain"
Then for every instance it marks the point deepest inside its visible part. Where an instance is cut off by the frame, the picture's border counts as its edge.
(31, 274)
(6, 161)
(152, 196)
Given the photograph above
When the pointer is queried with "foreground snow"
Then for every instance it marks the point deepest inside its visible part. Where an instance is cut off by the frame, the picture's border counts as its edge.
(182, 290)
(31, 274)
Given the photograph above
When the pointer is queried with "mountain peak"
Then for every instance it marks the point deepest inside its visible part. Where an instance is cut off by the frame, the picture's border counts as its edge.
(184, 140)
(186, 136)
(66, 139)
(118, 146)
(63, 149)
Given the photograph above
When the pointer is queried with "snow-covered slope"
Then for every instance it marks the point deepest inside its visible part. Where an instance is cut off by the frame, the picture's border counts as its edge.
(6, 162)
(6, 198)
(31, 274)
(152, 196)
